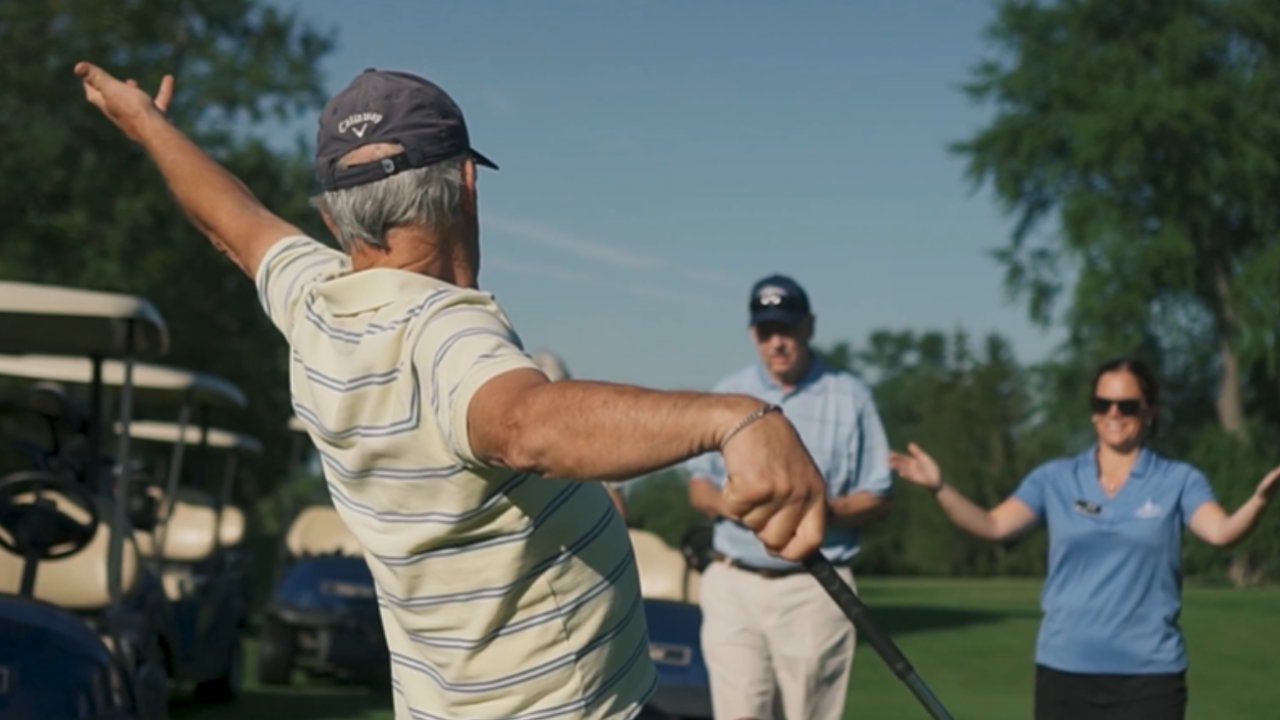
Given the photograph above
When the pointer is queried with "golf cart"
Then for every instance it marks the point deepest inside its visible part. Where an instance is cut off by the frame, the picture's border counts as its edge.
(204, 567)
(68, 563)
(323, 614)
(192, 600)
(669, 583)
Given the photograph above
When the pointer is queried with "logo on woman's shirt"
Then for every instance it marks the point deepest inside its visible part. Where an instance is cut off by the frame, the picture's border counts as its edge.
(1148, 510)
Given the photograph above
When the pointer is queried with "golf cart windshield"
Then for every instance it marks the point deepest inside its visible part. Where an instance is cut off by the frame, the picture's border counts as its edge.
(153, 385)
(190, 502)
(70, 321)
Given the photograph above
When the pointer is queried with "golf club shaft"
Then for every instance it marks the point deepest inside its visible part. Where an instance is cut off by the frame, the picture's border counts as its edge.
(853, 608)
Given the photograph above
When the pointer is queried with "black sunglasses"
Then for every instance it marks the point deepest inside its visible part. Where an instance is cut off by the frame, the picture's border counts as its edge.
(1128, 407)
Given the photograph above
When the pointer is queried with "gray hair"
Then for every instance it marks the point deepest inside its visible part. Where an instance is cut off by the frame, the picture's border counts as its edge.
(430, 195)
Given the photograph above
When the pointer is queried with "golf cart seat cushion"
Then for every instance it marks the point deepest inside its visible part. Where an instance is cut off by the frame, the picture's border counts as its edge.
(231, 529)
(661, 567)
(178, 582)
(319, 530)
(190, 533)
(79, 581)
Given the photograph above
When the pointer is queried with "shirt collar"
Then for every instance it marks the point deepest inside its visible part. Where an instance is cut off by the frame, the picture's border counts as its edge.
(1141, 468)
(352, 293)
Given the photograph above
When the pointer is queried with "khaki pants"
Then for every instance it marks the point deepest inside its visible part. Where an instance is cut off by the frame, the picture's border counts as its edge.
(775, 647)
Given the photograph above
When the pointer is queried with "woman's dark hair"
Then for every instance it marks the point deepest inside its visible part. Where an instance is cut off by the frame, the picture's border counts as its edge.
(1146, 382)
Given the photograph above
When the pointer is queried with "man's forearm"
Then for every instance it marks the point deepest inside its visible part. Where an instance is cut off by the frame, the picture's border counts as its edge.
(858, 509)
(217, 202)
(579, 430)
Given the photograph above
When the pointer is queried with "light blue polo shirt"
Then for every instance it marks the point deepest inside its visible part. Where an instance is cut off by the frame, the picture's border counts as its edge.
(1113, 594)
(836, 418)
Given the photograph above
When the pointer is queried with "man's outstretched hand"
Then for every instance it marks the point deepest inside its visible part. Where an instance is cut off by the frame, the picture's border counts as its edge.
(127, 105)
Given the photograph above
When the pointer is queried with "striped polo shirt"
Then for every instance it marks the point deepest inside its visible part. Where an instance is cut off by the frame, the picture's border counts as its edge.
(504, 595)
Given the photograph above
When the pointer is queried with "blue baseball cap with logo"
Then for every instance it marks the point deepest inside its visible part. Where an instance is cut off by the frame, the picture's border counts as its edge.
(388, 106)
(778, 298)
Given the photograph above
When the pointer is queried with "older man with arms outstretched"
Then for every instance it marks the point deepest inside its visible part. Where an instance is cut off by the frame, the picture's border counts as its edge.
(504, 595)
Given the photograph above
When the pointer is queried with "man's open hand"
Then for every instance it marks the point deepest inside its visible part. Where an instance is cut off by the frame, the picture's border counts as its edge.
(775, 489)
(127, 105)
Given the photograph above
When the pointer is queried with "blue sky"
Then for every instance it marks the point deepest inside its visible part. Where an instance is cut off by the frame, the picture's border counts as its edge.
(658, 157)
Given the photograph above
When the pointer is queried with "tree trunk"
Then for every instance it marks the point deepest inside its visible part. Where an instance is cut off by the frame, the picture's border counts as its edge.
(1243, 570)
(1230, 405)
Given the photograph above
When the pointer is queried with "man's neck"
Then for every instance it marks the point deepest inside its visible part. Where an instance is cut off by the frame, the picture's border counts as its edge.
(421, 251)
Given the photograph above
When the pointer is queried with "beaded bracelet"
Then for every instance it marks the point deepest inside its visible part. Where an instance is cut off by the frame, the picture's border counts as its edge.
(754, 416)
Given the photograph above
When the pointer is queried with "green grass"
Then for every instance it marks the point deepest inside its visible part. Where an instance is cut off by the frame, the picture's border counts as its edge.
(970, 641)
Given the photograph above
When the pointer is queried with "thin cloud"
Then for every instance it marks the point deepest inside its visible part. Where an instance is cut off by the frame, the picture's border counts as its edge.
(591, 249)
(536, 270)
(542, 271)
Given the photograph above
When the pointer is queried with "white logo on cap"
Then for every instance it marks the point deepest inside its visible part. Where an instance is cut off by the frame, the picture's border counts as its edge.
(365, 119)
(771, 295)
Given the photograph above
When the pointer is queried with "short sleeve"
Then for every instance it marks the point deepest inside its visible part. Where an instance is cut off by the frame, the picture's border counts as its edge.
(1031, 491)
(463, 345)
(291, 267)
(1195, 492)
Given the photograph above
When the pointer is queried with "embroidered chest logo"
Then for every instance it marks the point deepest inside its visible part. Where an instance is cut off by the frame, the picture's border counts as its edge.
(1148, 510)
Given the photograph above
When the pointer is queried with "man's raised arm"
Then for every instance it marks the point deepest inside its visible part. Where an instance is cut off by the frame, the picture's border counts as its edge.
(593, 430)
(218, 204)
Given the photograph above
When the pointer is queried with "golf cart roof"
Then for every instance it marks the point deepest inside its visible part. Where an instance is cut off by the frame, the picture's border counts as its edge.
(296, 425)
(69, 321)
(167, 432)
(151, 383)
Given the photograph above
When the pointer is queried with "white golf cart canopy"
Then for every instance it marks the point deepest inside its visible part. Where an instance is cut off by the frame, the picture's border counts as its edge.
(151, 383)
(164, 432)
(69, 321)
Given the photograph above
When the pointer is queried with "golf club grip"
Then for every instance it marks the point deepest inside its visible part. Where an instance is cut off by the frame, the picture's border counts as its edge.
(822, 569)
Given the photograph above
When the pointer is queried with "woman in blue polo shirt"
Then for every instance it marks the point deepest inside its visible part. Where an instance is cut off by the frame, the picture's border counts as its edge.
(1109, 645)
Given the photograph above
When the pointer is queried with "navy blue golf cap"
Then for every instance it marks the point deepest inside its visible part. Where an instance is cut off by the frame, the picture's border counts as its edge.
(388, 106)
(778, 298)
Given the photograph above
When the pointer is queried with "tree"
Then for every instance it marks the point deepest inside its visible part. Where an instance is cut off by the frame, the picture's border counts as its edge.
(1149, 132)
(84, 207)
(969, 408)
(659, 503)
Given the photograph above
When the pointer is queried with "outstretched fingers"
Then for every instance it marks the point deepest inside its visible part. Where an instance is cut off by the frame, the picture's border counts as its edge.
(165, 95)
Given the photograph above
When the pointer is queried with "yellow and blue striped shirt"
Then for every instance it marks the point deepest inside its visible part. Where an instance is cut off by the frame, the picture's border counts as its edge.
(504, 596)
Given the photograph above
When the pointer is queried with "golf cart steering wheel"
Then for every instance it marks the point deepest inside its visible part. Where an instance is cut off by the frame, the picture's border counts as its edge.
(39, 524)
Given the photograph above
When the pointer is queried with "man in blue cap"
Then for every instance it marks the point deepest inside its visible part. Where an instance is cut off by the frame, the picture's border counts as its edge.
(772, 638)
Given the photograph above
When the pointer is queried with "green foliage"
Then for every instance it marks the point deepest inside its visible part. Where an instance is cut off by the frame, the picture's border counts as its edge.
(1234, 469)
(84, 207)
(659, 503)
(1147, 133)
(966, 407)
